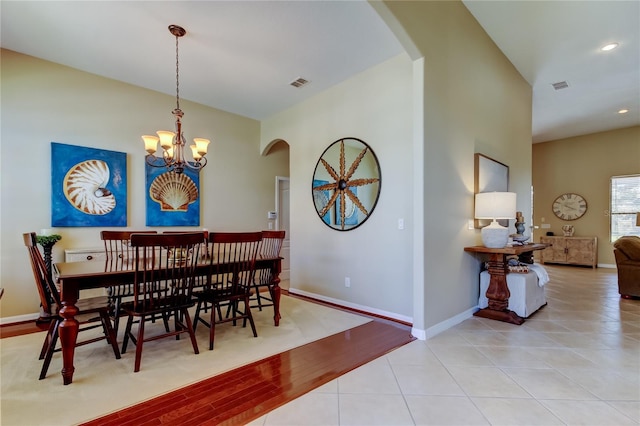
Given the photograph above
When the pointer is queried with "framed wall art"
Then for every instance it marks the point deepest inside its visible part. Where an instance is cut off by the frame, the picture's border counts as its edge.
(172, 199)
(490, 175)
(88, 186)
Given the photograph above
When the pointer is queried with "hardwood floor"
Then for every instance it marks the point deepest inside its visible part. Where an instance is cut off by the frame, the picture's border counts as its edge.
(246, 393)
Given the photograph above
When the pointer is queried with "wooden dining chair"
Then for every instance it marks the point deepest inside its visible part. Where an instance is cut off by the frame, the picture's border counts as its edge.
(119, 254)
(162, 261)
(92, 313)
(230, 281)
(269, 249)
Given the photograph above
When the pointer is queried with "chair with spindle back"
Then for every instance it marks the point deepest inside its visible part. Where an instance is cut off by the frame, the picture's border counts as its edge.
(269, 249)
(230, 280)
(119, 254)
(162, 261)
(92, 313)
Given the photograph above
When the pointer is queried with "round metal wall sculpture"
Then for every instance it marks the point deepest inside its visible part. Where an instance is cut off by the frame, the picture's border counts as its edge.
(346, 184)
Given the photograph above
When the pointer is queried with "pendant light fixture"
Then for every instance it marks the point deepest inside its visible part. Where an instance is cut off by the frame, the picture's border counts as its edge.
(173, 144)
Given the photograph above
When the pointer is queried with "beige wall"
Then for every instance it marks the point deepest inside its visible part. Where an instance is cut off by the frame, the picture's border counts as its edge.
(583, 165)
(43, 102)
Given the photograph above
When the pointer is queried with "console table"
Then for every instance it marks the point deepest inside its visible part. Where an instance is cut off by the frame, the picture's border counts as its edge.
(498, 291)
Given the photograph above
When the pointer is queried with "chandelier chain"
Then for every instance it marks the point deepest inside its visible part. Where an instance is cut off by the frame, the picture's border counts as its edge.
(177, 76)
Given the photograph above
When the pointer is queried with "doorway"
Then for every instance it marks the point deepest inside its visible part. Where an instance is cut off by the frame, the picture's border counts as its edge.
(282, 223)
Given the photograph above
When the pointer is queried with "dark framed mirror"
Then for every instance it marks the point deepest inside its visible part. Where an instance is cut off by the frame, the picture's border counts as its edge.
(346, 184)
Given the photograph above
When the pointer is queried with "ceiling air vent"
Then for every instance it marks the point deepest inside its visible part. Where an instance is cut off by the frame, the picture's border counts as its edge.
(299, 82)
(560, 85)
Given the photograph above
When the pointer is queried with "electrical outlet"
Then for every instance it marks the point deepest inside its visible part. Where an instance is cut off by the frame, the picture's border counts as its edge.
(400, 224)
(347, 282)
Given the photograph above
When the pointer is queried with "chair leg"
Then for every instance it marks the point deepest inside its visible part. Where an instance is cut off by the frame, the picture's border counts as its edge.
(248, 315)
(258, 298)
(127, 332)
(47, 339)
(192, 333)
(197, 318)
(116, 314)
(110, 332)
(50, 348)
(212, 326)
(139, 345)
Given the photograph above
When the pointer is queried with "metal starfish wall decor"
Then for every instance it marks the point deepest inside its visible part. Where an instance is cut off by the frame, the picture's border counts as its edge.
(342, 183)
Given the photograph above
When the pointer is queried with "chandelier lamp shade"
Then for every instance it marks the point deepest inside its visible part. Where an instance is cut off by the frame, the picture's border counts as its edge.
(495, 205)
(173, 144)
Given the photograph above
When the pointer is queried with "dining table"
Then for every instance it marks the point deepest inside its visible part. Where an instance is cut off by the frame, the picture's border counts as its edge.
(75, 276)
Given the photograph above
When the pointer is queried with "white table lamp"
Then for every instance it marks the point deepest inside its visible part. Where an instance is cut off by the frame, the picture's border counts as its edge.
(495, 205)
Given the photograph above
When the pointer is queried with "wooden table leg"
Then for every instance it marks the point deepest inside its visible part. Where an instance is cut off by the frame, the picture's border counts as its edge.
(68, 332)
(498, 293)
(275, 291)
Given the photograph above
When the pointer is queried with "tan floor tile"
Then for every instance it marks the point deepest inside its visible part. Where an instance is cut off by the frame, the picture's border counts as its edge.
(548, 384)
(486, 382)
(509, 411)
(596, 413)
(425, 380)
(372, 410)
(444, 411)
(315, 408)
(374, 377)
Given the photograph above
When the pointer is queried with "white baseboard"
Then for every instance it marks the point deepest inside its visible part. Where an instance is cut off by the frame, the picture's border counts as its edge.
(420, 334)
(355, 306)
(19, 318)
(607, 265)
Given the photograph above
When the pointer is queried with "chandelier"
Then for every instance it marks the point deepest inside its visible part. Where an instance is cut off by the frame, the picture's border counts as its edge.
(173, 143)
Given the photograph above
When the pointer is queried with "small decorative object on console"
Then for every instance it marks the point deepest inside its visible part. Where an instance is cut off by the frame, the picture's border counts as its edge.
(519, 238)
(567, 230)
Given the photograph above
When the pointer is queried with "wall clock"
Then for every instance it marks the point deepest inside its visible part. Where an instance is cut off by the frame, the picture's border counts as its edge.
(569, 206)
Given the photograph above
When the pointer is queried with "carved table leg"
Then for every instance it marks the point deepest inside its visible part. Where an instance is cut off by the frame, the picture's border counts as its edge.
(498, 293)
(68, 331)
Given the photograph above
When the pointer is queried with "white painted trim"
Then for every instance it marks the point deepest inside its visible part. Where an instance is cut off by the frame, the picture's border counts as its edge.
(19, 318)
(448, 323)
(277, 207)
(607, 265)
(362, 308)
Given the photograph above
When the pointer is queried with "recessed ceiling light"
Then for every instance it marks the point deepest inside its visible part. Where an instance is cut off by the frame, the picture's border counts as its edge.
(623, 111)
(609, 46)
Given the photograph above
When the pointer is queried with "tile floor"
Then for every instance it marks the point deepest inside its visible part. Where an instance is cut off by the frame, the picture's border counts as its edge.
(574, 362)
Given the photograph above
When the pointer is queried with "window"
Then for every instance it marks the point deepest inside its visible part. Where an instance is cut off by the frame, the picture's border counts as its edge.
(625, 205)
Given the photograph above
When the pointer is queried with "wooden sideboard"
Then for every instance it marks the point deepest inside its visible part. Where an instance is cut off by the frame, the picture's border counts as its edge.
(570, 250)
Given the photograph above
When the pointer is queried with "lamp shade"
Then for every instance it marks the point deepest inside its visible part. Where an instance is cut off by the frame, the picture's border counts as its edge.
(495, 205)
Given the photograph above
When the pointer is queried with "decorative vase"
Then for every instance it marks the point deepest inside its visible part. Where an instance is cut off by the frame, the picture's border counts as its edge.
(567, 230)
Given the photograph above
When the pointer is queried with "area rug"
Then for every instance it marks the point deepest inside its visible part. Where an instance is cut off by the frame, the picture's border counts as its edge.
(102, 384)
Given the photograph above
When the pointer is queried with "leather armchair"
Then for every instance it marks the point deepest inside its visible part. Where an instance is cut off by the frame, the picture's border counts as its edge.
(627, 253)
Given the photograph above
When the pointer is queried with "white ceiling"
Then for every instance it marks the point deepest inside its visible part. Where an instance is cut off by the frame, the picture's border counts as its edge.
(240, 56)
